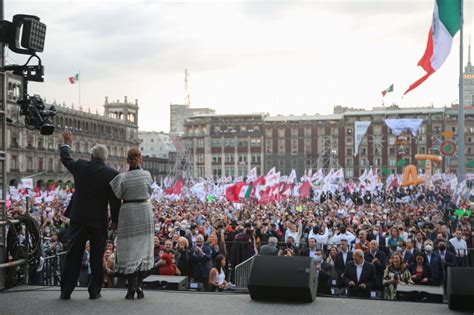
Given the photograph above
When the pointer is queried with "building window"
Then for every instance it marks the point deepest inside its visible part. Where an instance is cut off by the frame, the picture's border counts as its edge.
(294, 146)
(349, 172)
(349, 162)
(256, 158)
(392, 161)
(349, 131)
(200, 143)
(307, 146)
(321, 131)
(348, 139)
(229, 158)
(200, 158)
(229, 171)
(335, 131)
(378, 162)
(217, 171)
(217, 129)
(363, 151)
(377, 130)
(307, 132)
(242, 158)
(269, 146)
(294, 132)
(216, 159)
(30, 163)
(14, 162)
(348, 151)
(281, 145)
(281, 133)
(243, 143)
(255, 142)
(50, 165)
(243, 128)
(391, 140)
(391, 151)
(216, 143)
(29, 141)
(229, 142)
(14, 139)
(377, 151)
(269, 133)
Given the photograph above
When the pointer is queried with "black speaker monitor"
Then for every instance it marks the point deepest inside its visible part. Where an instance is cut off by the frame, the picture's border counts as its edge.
(281, 278)
(460, 289)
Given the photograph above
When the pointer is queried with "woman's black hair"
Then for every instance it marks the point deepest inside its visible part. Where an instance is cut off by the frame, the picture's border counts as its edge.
(217, 262)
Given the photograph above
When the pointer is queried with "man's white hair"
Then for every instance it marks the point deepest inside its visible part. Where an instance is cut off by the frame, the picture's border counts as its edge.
(99, 151)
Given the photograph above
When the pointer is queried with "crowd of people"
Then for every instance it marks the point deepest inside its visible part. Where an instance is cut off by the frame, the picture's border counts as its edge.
(394, 242)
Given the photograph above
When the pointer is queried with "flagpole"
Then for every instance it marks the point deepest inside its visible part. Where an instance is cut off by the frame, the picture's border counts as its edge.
(80, 79)
(461, 158)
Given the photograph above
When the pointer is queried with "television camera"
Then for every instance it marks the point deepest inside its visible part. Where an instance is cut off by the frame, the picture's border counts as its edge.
(26, 35)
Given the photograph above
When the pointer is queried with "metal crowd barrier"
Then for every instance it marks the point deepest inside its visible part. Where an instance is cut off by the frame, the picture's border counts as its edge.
(242, 273)
(50, 274)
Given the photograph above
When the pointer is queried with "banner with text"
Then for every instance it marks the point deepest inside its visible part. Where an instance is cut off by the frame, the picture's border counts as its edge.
(399, 125)
(360, 130)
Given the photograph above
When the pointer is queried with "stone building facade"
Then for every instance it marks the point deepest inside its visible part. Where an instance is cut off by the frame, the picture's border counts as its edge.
(233, 144)
(179, 114)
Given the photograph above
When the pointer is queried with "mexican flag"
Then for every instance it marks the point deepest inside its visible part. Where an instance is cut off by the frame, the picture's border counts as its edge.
(446, 23)
(387, 90)
(74, 78)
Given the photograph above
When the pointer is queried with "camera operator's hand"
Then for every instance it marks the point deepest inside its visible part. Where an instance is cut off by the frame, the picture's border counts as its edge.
(67, 136)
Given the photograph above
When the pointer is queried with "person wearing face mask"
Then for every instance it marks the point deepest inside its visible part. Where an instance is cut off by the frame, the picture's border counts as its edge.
(324, 273)
(447, 258)
(407, 256)
(437, 270)
(342, 258)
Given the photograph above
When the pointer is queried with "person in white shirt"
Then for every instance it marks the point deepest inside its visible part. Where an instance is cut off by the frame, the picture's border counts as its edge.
(294, 232)
(460, 247)
(343, 235)
(321, 239)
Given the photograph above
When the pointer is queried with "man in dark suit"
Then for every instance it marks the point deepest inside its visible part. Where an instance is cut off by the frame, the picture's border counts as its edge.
(408, 257)
(437, 269)
(269, 249)
(447, 258)
(89, 216)
(359, 276)
(379, 260)
(377, 235)
(342, 258)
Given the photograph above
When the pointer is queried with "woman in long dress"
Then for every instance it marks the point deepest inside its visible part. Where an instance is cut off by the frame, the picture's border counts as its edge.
(135, 225)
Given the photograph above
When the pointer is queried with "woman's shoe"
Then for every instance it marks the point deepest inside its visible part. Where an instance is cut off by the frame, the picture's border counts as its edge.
(140, 294)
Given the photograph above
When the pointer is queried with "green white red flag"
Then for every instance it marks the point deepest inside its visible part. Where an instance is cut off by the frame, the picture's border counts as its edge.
(446, 23)
(74, 78)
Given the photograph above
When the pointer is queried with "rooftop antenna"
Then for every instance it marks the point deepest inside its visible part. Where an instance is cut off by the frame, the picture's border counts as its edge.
(187, 97)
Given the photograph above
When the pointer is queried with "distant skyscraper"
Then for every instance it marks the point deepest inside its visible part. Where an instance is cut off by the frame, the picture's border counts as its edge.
(469, 81)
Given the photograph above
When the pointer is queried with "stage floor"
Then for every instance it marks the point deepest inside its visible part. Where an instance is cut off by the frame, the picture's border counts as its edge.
(45, 300)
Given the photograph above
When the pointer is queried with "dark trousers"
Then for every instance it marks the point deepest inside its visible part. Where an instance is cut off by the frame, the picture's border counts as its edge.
(78, 236)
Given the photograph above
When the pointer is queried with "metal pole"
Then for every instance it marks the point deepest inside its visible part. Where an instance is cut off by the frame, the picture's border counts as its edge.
(461, 139)
(3, 122)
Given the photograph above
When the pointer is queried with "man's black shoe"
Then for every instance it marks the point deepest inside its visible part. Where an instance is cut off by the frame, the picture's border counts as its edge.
(94, 296)
(65, 296)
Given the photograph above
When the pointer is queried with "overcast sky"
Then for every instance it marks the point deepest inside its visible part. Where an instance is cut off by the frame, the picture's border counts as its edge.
(280, 57)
